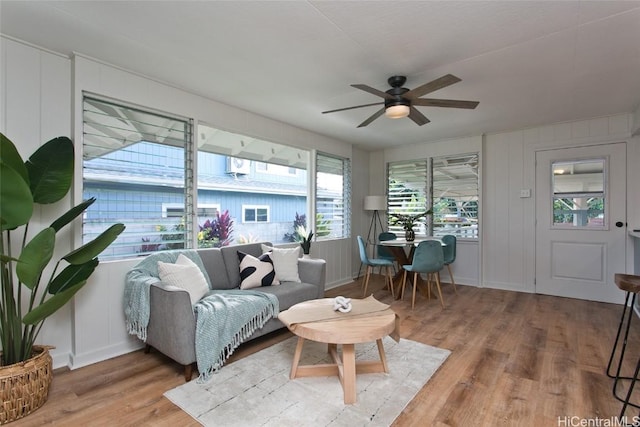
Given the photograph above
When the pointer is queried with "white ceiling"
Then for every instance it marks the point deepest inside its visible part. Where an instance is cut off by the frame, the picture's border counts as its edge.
(527, 62)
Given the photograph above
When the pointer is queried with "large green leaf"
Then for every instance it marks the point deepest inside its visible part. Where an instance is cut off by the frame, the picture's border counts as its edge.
(35, 256)
(51, 305)
(92, 249)
(72, 275)
(10, 156)
(71, 214)
(50, 170)
(16, 202)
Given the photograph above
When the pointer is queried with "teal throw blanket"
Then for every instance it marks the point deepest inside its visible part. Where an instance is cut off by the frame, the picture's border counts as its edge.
(138, 282)
(224, 319)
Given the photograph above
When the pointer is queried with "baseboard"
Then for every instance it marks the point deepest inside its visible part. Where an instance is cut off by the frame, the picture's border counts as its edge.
(84, 359)
(505, 286)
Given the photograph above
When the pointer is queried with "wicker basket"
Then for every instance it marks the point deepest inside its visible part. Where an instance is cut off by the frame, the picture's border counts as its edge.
(24, 386)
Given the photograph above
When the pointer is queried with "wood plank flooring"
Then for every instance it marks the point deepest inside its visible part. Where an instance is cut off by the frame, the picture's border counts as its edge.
(517, 359)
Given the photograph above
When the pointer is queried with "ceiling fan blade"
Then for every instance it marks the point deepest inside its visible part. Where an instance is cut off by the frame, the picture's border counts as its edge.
(373, 91)
(418, 117)
(372, 117)
(351, 108)
(448, 103)
(432, 86)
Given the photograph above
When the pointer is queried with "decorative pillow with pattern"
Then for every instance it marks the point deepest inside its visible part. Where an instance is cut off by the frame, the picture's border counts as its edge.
(256, 272)
(285, 262)
(184, 274)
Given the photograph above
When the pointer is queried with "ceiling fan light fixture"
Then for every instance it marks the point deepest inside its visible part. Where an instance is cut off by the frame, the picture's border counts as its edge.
(397, 111)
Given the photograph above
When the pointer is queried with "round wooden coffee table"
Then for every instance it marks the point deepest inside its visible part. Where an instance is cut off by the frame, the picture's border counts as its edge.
(343, 329)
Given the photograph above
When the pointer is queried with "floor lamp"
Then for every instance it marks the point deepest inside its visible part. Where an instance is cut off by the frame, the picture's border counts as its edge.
(375, 204)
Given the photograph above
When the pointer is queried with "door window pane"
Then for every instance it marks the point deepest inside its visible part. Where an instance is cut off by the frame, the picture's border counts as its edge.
(579, 196)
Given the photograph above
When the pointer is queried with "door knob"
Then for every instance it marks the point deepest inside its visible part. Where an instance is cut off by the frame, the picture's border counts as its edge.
(619, 224)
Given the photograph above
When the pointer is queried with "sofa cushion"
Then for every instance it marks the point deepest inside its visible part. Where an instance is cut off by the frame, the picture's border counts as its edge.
(256, 272)
(291, 293)
(232, 264)
(285, 261)
(215, 267)
(184, 274)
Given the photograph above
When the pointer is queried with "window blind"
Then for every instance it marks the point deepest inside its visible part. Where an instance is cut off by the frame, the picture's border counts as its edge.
(133, 162)
(333, 190)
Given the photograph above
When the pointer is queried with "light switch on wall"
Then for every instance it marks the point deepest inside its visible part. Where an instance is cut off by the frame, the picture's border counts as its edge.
(525, 193)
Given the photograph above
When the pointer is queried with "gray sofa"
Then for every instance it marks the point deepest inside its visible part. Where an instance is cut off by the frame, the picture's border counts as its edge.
(172, 323)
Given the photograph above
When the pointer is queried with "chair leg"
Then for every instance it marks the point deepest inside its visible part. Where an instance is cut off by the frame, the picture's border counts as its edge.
(415, 285)
(437, 274)
(453, 282)
(404, 282)
(390, 280)
(366, 280)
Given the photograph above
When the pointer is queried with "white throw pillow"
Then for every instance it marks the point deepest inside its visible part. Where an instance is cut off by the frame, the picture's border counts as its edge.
(184, 274)
(285, 262)
(256, 272)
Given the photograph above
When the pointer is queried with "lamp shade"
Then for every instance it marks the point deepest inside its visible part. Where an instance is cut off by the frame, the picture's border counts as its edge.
(375, 203)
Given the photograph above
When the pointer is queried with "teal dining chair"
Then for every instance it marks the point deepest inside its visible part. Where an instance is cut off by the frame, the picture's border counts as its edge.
(374, 262)
(428, 258)
(384, 252)
(449, 252)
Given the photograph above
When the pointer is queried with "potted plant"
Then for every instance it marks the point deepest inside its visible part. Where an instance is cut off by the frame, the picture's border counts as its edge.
(29, 295)
(306, 239)
(408, 222)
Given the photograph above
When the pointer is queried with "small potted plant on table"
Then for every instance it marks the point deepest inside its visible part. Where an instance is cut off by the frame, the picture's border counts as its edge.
(408, 222)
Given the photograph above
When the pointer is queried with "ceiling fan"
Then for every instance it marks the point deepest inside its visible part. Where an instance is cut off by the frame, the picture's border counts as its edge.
(401, 102)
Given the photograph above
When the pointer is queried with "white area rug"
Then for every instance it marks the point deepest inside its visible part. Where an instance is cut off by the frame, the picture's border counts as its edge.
(257, 391)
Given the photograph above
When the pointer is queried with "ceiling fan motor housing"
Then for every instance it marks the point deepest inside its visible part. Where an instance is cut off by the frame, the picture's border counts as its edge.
(397, 98)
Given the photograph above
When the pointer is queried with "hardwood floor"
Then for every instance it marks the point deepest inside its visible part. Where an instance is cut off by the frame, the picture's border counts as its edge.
(517, 359)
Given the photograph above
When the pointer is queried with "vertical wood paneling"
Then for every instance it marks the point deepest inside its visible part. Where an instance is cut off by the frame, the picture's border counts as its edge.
(509, 221)
(37, 107)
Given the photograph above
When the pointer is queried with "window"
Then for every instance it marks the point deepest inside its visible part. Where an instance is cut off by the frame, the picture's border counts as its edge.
(145, 171)
(255, 214)
(579, 194)
(448, 185)
(455, 196)
(134, 162)
(260, 186)
(333, 192)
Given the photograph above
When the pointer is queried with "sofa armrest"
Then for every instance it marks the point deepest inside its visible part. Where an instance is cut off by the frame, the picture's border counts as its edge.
(172, 324)
(313, 271)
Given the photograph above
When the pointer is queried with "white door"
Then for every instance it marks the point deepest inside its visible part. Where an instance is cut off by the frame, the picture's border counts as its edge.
(581, 221)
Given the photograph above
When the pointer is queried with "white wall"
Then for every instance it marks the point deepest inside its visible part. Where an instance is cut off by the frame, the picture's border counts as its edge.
(504, 256)
(35, 94)
(508, 225)
(41, 96)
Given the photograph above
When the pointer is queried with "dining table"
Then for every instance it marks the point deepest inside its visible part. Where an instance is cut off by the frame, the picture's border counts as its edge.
(403, 250)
